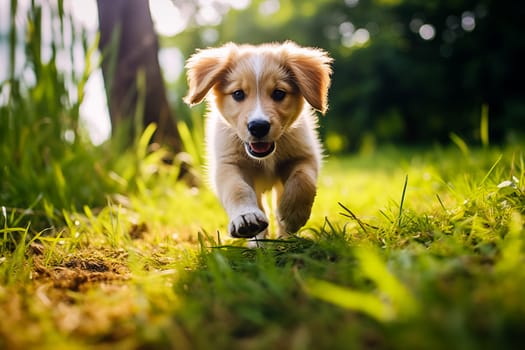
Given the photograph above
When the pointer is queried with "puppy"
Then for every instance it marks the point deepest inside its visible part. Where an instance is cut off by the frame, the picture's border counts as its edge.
(261, 129)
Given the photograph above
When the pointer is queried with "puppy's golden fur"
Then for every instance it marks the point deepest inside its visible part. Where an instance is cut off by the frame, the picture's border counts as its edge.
(261, 129)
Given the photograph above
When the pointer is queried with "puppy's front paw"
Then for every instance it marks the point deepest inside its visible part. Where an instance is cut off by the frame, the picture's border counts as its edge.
(248, 225)
(291, 217)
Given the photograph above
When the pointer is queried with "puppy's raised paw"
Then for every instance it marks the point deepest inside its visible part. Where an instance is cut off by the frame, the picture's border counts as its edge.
(248, 225)
(293, 222)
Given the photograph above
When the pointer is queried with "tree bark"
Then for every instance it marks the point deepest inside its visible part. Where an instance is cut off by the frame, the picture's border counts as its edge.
(135, 50)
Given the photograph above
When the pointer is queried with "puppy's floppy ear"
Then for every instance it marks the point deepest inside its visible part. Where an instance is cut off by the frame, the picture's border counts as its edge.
(204, 69)
(311, 70)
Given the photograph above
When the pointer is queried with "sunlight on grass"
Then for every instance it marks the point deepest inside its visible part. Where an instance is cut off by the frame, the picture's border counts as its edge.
(367, 303)
(391, 301)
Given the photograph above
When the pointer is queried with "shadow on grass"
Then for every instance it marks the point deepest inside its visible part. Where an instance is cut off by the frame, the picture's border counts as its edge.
(245, 297)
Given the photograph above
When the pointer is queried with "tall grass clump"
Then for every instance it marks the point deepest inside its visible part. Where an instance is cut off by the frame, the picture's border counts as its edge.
(48, 164)
(47, 160)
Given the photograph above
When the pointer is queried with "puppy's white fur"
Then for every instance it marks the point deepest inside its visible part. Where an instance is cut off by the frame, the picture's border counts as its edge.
(278, 86)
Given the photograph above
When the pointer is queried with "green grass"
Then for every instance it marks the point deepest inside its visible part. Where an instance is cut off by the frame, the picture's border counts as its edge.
(101, 247)
(156, 269)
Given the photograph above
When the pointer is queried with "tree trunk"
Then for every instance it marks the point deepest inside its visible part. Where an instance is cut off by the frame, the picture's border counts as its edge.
(135, 50)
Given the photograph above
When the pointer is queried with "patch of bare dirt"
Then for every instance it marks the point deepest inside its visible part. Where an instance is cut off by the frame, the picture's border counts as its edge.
(82, 271)
(83, 294)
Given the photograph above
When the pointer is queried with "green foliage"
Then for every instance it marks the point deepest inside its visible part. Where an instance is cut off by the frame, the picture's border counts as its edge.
(47, 162)
(397, 86)
(48, 165)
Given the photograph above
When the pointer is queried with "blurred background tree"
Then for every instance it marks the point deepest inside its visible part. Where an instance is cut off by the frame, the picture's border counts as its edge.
(129, 45)
(406, 71)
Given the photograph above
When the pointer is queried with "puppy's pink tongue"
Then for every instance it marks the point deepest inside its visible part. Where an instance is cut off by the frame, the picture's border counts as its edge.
(260, 147)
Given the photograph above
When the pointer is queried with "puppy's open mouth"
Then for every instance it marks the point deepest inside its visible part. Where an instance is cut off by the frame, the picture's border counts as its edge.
(259, 149)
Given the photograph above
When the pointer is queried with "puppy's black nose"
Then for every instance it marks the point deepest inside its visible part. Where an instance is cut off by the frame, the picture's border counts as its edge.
(258, 127)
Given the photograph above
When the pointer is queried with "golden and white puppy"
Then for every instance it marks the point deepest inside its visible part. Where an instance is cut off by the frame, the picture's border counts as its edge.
(261, 129)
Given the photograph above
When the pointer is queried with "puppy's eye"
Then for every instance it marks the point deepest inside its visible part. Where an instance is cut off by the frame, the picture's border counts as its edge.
(278, 95)
(238, 95)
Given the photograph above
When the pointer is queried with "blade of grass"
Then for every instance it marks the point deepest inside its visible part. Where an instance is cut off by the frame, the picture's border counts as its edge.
(351, 215)
(458, 141)
(366, 303)
(491, 169)
(441, 203)
(12, 40)
(484, 125)
(400, 216)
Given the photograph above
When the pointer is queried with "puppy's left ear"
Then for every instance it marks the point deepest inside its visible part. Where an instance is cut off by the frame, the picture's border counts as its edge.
(311, 68)
(204, 69)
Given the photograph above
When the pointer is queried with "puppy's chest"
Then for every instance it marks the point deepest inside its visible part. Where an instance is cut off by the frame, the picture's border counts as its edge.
(266, 174)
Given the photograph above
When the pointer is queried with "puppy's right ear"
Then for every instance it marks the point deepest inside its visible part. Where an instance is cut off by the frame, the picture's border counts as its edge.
(204, 69)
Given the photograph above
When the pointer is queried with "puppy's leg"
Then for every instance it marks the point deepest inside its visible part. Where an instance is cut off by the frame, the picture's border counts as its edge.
(240, 202)
(255, 241)
(296, 198)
